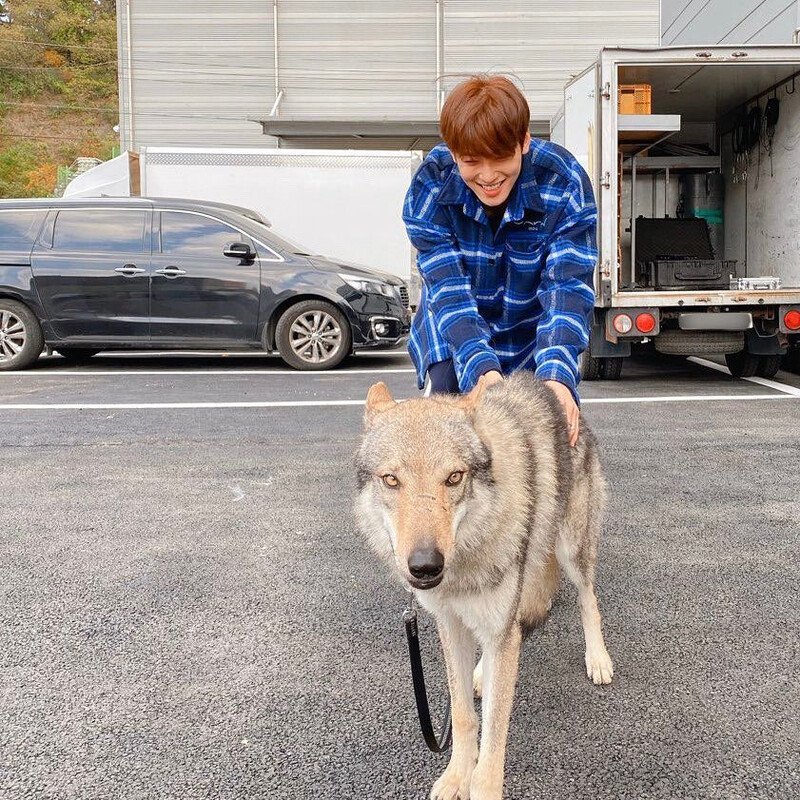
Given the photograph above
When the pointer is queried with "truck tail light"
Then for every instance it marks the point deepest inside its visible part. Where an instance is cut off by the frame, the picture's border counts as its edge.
(645, 322)
(791, 319)
(622, 323)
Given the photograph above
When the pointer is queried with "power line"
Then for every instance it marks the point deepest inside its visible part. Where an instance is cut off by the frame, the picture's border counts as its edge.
(35, 136)
(742, 20)
(676, 18)
(62, 45)
(699, 11)
(780, 13)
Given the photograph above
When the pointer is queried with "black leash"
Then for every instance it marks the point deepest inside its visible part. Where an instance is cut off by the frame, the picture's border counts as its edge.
(440, 743)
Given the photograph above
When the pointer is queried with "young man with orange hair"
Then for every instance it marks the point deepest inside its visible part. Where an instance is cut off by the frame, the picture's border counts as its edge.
(505, 229)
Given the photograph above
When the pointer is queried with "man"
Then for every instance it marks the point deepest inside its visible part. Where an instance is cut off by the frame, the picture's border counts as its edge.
(505, 229)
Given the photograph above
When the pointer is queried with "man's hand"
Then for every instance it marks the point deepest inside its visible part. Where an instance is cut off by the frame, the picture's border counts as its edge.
(492, 377)
(570, 407)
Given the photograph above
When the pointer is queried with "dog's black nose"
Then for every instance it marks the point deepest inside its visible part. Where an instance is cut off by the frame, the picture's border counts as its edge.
(425, 563)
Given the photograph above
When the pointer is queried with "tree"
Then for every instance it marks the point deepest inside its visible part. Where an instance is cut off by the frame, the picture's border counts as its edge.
(58, 88)
(68, 46)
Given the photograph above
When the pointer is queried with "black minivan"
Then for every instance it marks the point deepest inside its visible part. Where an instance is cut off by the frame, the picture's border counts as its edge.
(85, 275)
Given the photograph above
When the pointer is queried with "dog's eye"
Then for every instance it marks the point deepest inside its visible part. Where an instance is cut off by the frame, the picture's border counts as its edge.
(390, 481)
(454, 478)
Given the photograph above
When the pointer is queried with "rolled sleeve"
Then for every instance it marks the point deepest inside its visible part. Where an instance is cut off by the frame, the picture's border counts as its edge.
(566, 291)
(448, 286)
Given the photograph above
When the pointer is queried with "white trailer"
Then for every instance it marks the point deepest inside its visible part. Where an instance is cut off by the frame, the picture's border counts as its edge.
(343, 204)
(704, 137)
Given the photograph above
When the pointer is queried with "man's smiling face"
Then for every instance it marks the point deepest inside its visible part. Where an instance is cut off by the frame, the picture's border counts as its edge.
(492, 179)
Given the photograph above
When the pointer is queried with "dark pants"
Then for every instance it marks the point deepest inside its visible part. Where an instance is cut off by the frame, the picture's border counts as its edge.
(442, 378)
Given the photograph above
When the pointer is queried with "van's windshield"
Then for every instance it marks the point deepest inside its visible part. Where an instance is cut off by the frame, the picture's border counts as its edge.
(281, 242)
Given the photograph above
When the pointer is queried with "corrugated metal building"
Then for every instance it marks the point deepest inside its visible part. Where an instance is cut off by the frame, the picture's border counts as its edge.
(346, 73)
(729, 21)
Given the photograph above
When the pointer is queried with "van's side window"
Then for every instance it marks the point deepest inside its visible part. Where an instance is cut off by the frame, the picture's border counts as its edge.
(19, 227)
(100, 230)
(196, 235)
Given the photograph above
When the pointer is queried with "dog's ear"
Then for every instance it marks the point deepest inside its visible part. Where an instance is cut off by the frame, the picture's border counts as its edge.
(471, 401)
(379, 399)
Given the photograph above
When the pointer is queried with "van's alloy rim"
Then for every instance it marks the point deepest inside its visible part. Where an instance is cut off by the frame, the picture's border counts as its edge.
(12, 335)
(315, 336)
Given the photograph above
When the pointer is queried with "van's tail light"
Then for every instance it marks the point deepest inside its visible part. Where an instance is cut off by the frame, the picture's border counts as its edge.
(622, 323)
(791, 319)
(645, 322)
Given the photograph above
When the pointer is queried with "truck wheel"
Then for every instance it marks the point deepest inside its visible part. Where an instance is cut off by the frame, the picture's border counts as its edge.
(611, 368)
(791, 361)
(313, 335)
(77, 355)
(742, 364)
(21, 338)
(590, 366)
(768, 366)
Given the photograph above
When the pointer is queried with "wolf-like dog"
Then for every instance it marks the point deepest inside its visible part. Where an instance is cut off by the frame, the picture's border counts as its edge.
(475, 501)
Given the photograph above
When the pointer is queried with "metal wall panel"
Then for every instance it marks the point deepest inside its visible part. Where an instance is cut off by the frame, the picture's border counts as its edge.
(729, 21)
(541, 42)
(200, 71)
(367, 59)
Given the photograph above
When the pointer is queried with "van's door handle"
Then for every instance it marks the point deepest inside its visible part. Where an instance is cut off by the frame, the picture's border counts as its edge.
(171, 272)
(129, 269)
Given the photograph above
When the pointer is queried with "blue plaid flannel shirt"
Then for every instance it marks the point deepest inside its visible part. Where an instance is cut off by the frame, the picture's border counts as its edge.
(518, 299)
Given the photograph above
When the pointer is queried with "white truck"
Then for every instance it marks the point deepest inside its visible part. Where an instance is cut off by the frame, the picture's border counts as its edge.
(344, 204)
(699, 205)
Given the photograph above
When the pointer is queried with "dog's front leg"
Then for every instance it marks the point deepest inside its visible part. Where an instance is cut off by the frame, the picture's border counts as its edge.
(500, 667)
(459, 647)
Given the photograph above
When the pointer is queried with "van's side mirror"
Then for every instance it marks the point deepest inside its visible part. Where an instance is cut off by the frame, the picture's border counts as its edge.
(239, 250)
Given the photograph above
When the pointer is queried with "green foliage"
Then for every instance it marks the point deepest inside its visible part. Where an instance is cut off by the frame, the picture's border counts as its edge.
(66, 46)
(16, 164)
(58, 63)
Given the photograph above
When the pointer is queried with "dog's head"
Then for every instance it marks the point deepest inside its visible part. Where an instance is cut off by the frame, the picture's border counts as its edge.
(422, 468)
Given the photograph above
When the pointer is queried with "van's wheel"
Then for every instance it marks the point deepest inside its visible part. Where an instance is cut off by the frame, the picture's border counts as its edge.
(77, 355)
(590, 366)
(611, 368)
(313, 335)
(21, 338)
(768, 366)
(742, 364)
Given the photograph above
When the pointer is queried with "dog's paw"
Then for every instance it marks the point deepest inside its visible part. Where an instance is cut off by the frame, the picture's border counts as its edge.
(452, 785)
(486, 784)
(477, 679)
(599, 666)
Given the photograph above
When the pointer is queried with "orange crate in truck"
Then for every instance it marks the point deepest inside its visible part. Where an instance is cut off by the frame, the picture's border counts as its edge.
(634, 98)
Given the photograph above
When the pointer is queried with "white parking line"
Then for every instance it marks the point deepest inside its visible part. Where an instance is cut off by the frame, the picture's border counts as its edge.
(312, 403)
(336, 373)
(778, 387)
(223, 354)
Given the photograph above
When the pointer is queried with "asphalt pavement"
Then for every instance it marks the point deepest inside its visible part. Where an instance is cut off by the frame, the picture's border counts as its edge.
(186, 610)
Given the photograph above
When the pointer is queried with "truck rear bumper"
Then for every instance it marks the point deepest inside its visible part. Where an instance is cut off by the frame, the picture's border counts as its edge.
(713, 297)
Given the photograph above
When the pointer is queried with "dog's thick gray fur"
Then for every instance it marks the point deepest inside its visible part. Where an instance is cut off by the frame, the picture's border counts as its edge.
(489, 483)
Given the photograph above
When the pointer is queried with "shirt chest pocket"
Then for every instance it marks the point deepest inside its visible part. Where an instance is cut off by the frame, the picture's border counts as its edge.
(525, 254)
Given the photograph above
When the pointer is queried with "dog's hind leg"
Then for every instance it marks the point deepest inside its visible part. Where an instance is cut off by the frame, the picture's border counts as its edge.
(576, 551)
(458, 645)
(500, 667)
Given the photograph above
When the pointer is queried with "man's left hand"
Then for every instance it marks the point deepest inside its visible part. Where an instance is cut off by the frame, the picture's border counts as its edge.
(570, 407)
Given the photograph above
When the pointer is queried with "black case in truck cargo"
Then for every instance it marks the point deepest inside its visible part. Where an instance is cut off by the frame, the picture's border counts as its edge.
(677, 254)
